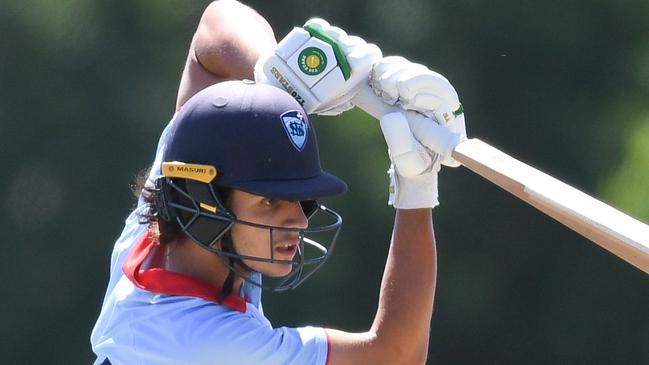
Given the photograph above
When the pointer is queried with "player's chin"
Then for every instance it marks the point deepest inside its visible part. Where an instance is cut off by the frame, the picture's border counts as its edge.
(279, 270)
(274, 269)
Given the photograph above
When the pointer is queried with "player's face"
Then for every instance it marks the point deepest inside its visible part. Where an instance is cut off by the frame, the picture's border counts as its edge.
(253, 241)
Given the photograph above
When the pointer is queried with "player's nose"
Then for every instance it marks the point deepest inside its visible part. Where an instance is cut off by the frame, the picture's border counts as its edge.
(295, 216)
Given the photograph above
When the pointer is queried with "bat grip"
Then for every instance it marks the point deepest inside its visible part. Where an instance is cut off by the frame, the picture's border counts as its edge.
(426, 130)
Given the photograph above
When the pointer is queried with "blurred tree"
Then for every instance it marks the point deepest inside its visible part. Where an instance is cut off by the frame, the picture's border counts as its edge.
(86, 87)
(628, 184)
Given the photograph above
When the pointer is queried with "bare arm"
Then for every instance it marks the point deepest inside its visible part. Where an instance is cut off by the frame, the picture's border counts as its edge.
(229, 39)
(399, 334)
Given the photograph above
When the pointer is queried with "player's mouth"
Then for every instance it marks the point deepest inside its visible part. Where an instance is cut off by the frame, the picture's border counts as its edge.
(286, 248)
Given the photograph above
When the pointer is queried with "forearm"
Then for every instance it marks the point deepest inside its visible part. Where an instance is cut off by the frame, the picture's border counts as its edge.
(228, 41)
(399, 334)
(402, 321)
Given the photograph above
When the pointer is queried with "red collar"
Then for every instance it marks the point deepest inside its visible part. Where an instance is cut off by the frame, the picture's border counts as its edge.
(161, 281)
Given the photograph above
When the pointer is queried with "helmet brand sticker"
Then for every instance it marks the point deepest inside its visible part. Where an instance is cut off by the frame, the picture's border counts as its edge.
(296, 128)
(192, 171)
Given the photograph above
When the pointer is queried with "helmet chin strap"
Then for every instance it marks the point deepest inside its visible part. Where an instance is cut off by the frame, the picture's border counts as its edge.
(228, 285)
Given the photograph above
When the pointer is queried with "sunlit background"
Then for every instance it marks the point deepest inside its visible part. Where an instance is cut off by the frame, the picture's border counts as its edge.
(87, 86)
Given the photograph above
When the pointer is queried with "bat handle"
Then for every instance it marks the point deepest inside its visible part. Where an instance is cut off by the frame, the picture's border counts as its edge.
(425, 129)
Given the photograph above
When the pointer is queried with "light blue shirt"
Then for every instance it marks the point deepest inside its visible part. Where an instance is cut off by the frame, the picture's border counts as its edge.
(136, 326)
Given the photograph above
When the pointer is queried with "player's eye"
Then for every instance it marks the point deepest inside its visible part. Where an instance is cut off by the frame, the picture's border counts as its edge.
(268, 201)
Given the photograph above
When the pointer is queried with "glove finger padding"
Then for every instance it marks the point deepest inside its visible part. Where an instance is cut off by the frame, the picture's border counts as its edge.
(413, 173)
(412, 84)
(351, 42)
(417, 84)
(409, 156)
(383, 78)
(414, 87)
(438, 138)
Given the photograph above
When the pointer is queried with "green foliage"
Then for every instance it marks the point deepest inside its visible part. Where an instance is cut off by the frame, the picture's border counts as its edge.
(628, 184)
(86, 87)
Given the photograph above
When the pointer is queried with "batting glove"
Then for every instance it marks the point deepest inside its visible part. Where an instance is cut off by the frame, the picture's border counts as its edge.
(413, 171)
(412, 86)
(320, 66)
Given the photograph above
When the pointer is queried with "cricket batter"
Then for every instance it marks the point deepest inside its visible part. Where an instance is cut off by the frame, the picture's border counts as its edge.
(230, 206)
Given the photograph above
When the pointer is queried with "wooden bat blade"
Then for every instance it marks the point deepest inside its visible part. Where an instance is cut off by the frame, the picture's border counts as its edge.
(613, 230)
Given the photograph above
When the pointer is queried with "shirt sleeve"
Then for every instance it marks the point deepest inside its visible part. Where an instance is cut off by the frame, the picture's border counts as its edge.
(246, 341)
(209, 334)
(280, 346)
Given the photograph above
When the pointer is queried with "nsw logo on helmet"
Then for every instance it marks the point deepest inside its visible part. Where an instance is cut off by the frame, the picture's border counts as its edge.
(296, 128)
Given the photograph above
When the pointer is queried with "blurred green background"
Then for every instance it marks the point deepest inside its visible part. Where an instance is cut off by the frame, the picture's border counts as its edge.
(87, 86)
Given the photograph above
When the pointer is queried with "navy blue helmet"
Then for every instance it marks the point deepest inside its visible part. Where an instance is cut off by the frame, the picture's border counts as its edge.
(255, 138)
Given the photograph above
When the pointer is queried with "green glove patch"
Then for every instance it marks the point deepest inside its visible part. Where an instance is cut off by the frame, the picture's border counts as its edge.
(312, 61)
(338, 51)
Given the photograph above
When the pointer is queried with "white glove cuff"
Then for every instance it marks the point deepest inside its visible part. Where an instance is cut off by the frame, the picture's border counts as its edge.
(413, 192)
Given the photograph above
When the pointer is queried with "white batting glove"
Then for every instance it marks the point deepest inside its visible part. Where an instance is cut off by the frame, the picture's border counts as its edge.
(320, 66)
(412, 86)
(413, 172)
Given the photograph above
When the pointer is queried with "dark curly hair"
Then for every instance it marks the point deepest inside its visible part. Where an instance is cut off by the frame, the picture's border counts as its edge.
(160, 230)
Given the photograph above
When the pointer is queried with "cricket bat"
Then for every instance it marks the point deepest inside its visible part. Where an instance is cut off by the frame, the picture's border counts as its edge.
(613, 230)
